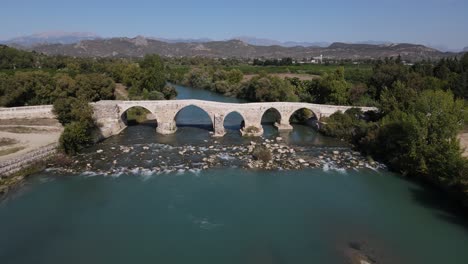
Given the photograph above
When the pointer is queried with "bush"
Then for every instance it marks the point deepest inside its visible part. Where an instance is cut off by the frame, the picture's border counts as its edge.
(75, 136)
(71, 109)
(251, 129)
(62, 109)
(262, 153)
(350, 125)
(77, 117)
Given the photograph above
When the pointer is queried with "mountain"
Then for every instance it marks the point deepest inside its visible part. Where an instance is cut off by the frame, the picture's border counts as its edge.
(139, 46)
(271, 42)
(52, 37)
(182, 40)
(465, 49)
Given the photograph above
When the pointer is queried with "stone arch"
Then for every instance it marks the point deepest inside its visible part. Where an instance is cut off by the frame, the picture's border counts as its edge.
(275, 115)
(193, 117)
(124, 110)
(295, 114)
(235, 120)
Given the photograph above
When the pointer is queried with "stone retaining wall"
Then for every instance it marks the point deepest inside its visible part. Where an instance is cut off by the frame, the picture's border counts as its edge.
(13, 165)
(27, 112)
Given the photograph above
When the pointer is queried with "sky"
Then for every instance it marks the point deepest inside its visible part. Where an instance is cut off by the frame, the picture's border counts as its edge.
(430, 22)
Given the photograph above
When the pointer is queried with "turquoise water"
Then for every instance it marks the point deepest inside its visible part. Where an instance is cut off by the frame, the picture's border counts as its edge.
(228, 215)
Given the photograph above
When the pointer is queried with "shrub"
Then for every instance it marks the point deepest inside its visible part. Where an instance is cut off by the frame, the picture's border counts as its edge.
(75, 136)
(251, 129)
(262, 153)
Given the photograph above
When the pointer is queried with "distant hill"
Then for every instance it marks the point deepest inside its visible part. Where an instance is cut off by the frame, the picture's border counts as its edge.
(139, 46)
(182, 40)
(271, 42)
(465, 49)
(55, 37)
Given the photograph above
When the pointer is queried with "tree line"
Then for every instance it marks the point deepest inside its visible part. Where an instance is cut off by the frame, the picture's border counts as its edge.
(29, 78)
(422, 110)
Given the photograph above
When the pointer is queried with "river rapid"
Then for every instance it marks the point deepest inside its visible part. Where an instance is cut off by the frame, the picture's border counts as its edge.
(140, 197)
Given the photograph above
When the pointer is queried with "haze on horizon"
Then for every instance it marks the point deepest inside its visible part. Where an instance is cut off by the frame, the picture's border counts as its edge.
(433, 22)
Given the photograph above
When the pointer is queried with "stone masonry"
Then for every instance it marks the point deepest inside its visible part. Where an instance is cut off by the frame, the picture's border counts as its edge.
(110, 115)
(111, 119)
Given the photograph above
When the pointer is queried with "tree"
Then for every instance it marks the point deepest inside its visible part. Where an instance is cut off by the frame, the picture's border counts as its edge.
(154, 77)
(234, 76)
(94, 87)
(198, 78)
(397, 97)
(74, 137)
(265, 88)
(385, 74)
(333, 88)
(169, 92)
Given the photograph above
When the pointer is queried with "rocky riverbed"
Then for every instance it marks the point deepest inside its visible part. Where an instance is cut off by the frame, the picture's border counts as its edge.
(162, 158)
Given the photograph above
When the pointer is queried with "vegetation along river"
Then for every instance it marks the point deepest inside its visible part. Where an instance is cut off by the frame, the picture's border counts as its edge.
(140, 197)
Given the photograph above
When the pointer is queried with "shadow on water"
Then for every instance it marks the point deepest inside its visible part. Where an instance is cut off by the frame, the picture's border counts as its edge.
(200, 126)
(447, 209)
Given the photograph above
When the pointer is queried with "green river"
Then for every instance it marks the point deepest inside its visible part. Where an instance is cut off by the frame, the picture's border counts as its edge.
(227, 214)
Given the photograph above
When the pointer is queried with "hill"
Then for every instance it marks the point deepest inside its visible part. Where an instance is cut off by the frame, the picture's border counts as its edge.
(52, 37)
(139, 46)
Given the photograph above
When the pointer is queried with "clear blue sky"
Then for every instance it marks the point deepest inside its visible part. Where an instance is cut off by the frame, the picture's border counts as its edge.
(437, 22)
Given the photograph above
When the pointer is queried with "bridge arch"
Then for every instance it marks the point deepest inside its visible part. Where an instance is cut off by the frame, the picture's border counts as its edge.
(302, 115)
(271, 116)
(139, 109)
(234, 120)
(195, 116)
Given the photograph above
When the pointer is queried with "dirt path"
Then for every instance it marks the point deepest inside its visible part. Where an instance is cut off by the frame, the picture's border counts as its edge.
(464, 142)
(26, 137)
(121, 92)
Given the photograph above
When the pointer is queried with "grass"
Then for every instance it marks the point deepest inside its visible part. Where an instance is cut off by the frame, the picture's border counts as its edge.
(7, 142)
(10, 151)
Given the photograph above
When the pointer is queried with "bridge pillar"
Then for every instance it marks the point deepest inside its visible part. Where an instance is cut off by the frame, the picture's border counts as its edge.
(252, 130)
(283, 126)
(166, 128)
(218, 125)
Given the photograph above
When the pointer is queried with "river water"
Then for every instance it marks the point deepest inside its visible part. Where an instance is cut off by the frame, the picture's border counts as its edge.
(227, 214)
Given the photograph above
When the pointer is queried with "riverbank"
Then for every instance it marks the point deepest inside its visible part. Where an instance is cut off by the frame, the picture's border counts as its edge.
(26, 145)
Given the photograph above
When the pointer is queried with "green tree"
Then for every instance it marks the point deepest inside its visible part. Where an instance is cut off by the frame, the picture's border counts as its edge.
(154, 76)
(265, 88)
(75, 136)
(94, 87)
(234, 76)
(333, 88)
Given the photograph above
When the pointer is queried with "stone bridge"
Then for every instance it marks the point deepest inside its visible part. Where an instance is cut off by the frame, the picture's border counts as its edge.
(111, 115)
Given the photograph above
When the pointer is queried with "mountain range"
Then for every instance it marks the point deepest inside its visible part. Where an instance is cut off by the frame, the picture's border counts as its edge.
(91, 45)
(51, 37)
